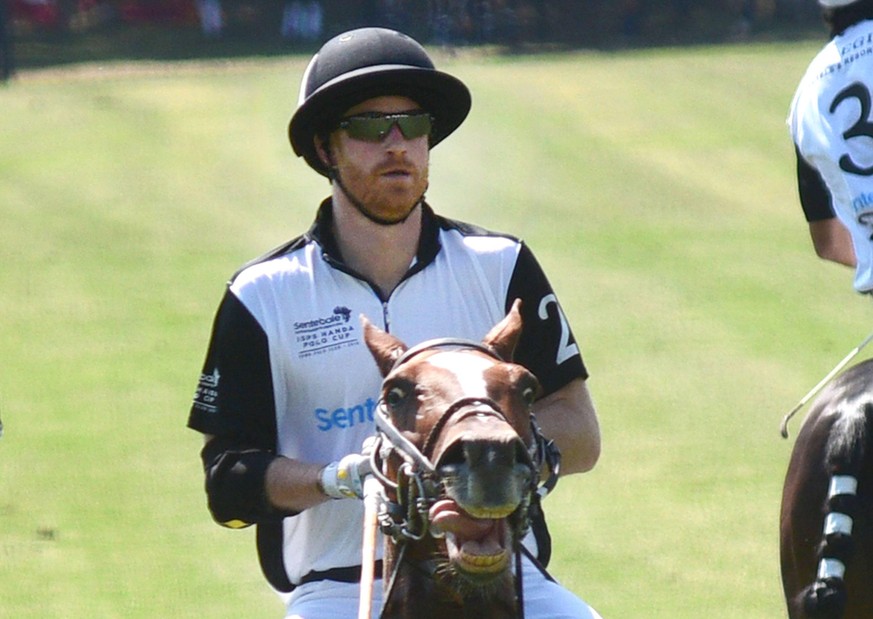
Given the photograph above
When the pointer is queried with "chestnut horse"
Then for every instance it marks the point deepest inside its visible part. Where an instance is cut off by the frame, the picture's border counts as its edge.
(458, 454)
(826, 526)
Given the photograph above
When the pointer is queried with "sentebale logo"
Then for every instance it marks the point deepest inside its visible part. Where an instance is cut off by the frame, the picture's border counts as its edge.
(345, 417)
(325, 333)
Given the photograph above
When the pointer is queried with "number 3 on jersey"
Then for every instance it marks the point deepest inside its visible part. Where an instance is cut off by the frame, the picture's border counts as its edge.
(862, 128)
(566, 349)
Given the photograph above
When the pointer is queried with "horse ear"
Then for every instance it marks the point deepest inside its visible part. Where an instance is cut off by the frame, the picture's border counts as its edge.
(384, 347)
(503, 336)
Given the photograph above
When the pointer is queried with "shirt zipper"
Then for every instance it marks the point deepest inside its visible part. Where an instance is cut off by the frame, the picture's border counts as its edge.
(386, 318)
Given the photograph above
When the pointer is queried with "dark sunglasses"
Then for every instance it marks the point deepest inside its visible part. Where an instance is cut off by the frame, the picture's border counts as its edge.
(374, 126)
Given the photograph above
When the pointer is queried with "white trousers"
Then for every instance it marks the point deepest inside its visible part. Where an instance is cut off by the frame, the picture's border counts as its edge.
(543, 599)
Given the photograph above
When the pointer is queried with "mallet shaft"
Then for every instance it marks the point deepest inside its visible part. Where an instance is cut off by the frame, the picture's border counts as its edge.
(824, 381)
(372, 488)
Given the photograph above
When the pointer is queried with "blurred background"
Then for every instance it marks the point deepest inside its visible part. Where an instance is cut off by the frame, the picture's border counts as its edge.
(40, 33)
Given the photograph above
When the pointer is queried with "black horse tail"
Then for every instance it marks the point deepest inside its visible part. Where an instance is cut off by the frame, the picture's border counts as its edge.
(826, 597)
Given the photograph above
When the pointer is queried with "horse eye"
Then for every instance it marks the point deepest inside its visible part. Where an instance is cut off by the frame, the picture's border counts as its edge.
(394, 396)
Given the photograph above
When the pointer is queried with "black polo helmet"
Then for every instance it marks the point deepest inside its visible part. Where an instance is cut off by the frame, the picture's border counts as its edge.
(365, 63)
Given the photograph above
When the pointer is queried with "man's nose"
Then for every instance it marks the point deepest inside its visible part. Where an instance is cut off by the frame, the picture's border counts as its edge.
(395, 138)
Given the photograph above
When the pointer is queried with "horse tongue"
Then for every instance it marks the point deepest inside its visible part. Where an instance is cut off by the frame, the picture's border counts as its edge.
(448, 517)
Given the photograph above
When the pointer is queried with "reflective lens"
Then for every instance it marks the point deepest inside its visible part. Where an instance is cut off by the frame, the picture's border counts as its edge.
(373, 127)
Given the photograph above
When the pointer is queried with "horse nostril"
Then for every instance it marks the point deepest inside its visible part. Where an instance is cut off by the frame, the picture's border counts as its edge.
(522, 455)
(454, 455)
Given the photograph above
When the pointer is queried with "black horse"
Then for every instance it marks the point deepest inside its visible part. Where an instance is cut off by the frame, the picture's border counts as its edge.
(826, 526)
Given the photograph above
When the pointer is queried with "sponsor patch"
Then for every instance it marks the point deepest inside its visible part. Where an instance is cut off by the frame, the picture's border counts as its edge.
(207, 391)
(345, 417)
(325, 334)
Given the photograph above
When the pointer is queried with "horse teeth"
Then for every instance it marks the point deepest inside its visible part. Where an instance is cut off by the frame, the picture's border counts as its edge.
(484, 562)
(482, 568)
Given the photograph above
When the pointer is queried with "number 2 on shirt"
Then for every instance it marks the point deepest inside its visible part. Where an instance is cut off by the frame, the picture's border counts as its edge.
(566, 349)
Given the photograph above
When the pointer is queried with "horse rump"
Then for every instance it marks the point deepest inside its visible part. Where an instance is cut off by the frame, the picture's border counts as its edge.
(822, 521)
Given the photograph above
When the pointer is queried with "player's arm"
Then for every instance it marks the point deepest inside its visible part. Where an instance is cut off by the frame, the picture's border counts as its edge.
(830, 238)
(832, 241)
(548, 348)
(247, 485)
(234, 409)
(568, 416)
(247, 482)
(288, 486)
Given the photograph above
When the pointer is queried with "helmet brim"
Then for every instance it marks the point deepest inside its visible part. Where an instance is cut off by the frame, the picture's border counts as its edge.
(444, 96)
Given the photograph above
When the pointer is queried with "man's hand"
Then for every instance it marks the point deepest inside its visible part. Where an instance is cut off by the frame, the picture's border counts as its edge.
(345, 479)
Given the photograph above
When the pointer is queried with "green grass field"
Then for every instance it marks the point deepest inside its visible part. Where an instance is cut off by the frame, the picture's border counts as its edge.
(657, 189)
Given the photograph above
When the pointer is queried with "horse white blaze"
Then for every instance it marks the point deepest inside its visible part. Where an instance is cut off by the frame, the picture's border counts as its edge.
(468, 369)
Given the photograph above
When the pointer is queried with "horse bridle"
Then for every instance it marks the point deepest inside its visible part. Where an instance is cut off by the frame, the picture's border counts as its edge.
(418, 485)
(403, 446)
(418, 466)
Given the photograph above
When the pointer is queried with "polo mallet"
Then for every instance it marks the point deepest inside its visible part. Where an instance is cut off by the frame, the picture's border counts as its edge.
(372, 490)
(824, 381)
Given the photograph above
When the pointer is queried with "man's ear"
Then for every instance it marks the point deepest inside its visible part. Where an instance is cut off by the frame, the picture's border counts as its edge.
(322, 148)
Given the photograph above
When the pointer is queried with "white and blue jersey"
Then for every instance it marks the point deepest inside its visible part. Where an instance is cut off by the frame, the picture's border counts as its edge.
(831, 123)
(287, 372)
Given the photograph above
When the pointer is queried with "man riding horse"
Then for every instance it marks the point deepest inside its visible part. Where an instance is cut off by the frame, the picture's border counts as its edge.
(288, 390)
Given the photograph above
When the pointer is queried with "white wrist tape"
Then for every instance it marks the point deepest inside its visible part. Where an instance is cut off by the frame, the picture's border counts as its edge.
(327, 480)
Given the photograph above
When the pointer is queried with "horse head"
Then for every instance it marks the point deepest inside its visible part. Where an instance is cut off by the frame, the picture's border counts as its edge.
(459, 455)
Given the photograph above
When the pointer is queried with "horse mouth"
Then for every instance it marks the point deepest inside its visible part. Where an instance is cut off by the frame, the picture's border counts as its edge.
(479, 547)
